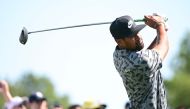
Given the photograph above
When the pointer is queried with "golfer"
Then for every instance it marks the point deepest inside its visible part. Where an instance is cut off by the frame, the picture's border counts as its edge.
(140, 68)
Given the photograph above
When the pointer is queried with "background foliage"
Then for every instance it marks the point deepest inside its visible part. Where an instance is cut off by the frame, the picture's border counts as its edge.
(178, 87)
(30, 83)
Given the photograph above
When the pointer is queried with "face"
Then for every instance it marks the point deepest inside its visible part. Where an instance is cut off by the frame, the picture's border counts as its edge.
(44, 105)
(78, 108)
(38, 105)
(34, 105)
(132, 43)
(139, 42)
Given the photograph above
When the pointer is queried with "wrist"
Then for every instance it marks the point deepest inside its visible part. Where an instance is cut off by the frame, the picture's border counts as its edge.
(7, 96)
(161, 25)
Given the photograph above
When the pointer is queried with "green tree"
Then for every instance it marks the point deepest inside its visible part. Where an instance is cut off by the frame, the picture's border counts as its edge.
(178, 90)
(181, 62)
(178, 87)
(29, 83)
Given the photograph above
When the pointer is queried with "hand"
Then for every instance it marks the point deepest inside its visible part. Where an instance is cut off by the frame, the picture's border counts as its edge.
(154, 21)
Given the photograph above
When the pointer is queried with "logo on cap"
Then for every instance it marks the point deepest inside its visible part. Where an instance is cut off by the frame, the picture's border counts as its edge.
(130, 23)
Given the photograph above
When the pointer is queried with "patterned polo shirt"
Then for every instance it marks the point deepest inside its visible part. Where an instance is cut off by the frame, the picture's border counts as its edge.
(140, 72)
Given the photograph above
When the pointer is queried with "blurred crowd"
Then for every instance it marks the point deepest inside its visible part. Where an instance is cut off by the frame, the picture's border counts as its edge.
(37, 100)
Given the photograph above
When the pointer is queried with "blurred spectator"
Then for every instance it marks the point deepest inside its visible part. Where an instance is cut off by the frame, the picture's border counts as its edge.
(11, 102)
(16, 103)
(4, 90)
(37, 101)
(128, 105)
(93, 105)
(103, 106)
(57, 106)
(74, 106)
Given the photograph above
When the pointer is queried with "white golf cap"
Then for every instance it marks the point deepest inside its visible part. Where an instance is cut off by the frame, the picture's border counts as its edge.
(16, 101)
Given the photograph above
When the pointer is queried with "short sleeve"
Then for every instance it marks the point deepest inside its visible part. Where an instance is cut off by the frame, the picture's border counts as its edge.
(148, 61)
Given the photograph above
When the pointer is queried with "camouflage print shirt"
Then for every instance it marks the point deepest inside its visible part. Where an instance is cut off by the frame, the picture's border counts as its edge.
(140, 72)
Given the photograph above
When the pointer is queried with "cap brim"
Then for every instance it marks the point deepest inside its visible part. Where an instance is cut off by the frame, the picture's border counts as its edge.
(37, 100)
(42, 99)
(138, 28)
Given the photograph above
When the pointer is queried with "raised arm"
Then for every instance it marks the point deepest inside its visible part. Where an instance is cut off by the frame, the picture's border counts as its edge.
(160, 43)
(4, 90)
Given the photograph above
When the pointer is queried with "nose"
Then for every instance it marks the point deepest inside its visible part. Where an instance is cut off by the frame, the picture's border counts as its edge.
(139, 35)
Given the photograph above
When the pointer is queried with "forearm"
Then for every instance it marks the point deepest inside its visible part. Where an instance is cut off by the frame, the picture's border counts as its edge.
(162, 36)
(162, 42)
(4, 90)
(7, 96)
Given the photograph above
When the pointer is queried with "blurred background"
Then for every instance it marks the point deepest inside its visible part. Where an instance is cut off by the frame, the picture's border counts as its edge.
(73, 65)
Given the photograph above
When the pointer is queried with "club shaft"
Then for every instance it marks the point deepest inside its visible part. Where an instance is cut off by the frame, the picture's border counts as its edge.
(101, 23)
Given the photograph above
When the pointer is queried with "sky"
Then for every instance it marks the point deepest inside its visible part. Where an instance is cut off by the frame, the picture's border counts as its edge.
(79, 61)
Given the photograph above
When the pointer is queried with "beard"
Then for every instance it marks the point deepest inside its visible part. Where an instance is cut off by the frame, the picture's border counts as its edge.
(139, 46)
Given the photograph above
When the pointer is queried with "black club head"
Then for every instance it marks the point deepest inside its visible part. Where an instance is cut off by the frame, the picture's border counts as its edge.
(23, 36)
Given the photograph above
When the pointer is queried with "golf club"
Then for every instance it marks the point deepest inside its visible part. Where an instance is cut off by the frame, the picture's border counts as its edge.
(24, 33)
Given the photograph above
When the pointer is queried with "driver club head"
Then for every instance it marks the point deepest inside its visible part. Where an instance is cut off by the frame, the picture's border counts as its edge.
(23, 36)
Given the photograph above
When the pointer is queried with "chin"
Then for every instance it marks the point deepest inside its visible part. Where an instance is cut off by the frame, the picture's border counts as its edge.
(139, 47)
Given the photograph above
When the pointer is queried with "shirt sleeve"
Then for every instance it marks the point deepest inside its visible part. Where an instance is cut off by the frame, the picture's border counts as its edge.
(148, 61)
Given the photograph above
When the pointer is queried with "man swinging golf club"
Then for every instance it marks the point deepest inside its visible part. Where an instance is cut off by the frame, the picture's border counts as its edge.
(140, 68)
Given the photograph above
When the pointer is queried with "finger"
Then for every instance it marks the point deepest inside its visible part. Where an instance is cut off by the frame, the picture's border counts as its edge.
(146, 17)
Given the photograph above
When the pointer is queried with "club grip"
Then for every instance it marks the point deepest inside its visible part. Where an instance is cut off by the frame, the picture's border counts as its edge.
(143, 20)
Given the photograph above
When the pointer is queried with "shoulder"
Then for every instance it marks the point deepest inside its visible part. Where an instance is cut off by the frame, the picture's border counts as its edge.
(148, 58)
(148, 54)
